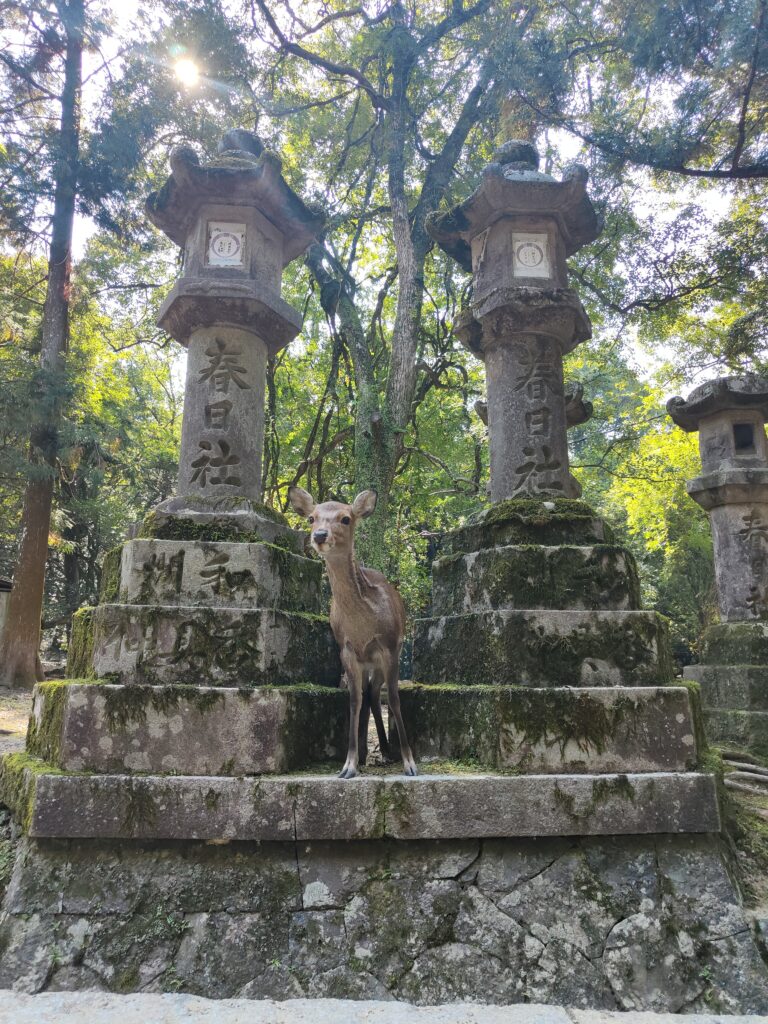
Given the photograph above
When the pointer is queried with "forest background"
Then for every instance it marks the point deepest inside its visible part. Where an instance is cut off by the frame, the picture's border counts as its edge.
(381, 112)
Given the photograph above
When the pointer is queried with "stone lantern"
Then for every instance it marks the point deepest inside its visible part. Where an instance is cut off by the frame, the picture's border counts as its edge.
(239, 225)
(216, 589)
(730, 415)
(514, 233)
(529, 591)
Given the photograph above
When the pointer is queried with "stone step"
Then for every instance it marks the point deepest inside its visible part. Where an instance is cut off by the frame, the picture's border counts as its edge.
(601, 576)
(758, 782)
(735, 643)
(543, 648)
(187, 729)
(218, 574)
(743, 687)
(204, 646)
(747, 729)
(528, 521)
(542, 731)
(307, 808)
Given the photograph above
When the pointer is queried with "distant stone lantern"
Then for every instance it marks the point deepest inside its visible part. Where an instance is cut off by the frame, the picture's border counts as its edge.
(239, 225)
(729, 415)
(514, 233)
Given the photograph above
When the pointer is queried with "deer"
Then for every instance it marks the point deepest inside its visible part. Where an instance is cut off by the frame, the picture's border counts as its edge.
(367, 620)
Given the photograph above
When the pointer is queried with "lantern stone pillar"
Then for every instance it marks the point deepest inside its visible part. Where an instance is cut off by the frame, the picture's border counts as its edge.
(515, 233)
(216, 589)
(729, 415)
(530, 591)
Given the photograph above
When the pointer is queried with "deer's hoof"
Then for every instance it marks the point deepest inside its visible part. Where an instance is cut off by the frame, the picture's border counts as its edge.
(348, 772)
(410, 769)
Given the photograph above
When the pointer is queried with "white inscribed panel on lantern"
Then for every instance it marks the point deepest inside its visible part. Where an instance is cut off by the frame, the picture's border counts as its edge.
(226, 244)
(530, 255)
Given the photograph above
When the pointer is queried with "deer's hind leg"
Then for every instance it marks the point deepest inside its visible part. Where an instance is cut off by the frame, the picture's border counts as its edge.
(393, 699)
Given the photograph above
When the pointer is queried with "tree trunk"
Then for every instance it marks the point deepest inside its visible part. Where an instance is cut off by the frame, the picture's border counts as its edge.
(19, 663)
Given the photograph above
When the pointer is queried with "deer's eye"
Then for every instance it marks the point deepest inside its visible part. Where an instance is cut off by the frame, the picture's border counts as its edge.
(310, 519)
(345, 520)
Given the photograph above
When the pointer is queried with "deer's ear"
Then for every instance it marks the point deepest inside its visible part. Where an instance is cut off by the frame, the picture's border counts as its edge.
(364, 504)
(301, 500)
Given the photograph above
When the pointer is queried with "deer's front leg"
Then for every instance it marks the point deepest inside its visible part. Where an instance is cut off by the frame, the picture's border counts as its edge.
(354, 674)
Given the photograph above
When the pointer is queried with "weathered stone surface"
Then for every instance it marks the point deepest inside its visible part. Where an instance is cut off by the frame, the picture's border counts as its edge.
(530, 730)
(528, 521)
(740, 538)
(213, 646)
(185, 729)
(633, 923)
(218, 574)
(735, 643)
(735, 687)
(747, 730)
(220, 519)
(543, 648)
(323, 807)
(535, 576)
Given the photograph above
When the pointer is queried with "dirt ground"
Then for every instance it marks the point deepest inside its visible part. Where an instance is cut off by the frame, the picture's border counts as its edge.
(15, 708)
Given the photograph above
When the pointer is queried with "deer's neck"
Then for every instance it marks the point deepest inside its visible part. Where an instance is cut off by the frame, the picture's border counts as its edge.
(347, 581)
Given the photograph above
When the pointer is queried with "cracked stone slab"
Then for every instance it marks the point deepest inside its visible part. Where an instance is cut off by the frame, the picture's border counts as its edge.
(187, 729)
(104, 1008)
(324, 807)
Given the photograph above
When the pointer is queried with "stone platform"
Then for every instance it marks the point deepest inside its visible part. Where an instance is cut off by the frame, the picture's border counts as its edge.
(648, 922)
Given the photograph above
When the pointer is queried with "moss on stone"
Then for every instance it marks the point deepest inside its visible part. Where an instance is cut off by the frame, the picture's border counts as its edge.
(476, 724)
(168, 526)
(141, 807)
(528, 521)
(128, 704)
(491, 647)
(599, 576)
(18, 780)
(80, 653)
(109, 590)
(735, 643)
(44, 736)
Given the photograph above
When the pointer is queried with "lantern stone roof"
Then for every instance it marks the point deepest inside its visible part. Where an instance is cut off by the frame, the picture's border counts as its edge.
(513, 185)
(243, 173)
(725, 394)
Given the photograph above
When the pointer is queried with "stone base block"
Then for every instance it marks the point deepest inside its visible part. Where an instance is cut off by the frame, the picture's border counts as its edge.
(304, 807)
(204, 646)
(218, 574)
(633, 923)
(528, 521)
(739, 730)
(741, 687)
(525, 730)
(185, 729)
(543, 648)
(735, 643)
(221, 519)
(601, 576)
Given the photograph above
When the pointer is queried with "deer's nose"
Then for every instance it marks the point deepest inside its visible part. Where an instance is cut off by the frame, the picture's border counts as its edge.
(320, 536)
